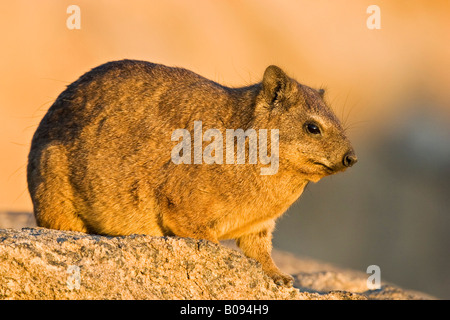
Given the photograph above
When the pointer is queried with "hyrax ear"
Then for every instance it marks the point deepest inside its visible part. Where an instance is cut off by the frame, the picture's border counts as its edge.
(276, 85)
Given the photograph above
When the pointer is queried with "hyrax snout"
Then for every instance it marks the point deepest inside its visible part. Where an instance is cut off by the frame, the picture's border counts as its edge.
(133, 147)
(349, 159)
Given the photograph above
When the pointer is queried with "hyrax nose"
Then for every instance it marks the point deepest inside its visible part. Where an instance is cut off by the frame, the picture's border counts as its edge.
(349, 159)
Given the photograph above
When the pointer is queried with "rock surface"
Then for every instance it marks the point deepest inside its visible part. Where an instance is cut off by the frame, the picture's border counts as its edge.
(38, 263)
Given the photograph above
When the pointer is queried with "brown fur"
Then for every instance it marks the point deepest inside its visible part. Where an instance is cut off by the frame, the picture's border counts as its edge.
(100, 160)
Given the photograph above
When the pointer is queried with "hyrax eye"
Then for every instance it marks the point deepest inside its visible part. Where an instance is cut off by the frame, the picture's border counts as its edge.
(312, 128)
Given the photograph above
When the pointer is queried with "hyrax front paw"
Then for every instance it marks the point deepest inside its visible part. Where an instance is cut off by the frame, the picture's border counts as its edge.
(282, 279)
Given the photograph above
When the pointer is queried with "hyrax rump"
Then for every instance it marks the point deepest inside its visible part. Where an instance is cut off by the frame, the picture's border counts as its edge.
(100, 160)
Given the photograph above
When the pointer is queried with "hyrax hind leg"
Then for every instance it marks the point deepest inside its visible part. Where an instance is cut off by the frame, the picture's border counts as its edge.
(258, 246)
(51, 191)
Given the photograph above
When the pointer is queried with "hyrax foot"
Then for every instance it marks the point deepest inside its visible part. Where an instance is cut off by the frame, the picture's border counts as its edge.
(258, 246)
(281, 279)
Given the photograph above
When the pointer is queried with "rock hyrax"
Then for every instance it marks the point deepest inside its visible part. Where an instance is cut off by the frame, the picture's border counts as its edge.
(101, 160)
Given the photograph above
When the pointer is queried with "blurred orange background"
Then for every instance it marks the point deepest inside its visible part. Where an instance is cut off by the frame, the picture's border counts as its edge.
(375, 79)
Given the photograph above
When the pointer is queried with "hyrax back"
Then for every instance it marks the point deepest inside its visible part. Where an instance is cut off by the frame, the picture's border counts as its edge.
(101, 159)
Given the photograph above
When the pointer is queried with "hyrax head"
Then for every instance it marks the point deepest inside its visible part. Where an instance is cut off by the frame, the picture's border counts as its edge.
(312, 140)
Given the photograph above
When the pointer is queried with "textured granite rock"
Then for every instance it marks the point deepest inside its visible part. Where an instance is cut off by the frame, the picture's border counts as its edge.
(38, 263)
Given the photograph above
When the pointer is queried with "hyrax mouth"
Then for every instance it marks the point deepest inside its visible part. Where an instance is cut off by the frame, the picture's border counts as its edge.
(348, 160)
(327, 169)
